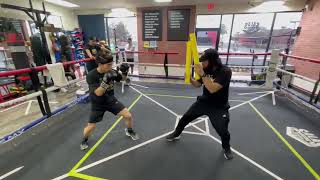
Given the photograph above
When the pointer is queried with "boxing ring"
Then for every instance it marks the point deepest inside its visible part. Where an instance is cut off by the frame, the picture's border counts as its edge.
(262, 124)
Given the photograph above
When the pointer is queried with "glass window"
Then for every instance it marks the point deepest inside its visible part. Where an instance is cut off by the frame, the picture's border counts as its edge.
(120, 29)
(207, 31)
(250, 33)
(53, 19)
(284, 30)
(225, 31)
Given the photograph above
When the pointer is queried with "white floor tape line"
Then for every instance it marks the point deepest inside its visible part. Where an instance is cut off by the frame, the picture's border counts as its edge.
(11, 172)
(243, 156)
(163, 135)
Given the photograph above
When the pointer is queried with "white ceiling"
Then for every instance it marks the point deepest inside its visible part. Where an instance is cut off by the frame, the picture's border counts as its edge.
(108, 4)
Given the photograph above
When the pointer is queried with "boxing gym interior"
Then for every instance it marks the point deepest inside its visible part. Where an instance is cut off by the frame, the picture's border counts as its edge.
(253, 67)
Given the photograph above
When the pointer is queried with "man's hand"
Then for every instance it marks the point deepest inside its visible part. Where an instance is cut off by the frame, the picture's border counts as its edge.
(104, 85)
(110, 76)
(195, 83)
(198, 69)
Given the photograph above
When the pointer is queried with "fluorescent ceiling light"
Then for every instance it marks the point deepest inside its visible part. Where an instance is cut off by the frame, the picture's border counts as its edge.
(62, 3)
(160, 1)
(120, 12)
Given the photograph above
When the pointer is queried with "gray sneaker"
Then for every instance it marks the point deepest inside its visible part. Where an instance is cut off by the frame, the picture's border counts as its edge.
(173, 137)
(228, 154)
(84, 146)
(130, 133)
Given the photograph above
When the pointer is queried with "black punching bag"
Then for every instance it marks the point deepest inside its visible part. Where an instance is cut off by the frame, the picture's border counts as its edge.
(37, 50)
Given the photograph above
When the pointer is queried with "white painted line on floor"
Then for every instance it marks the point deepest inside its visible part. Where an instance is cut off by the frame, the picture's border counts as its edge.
(61, 177)
(139, 85)
(14, 106)
(250, 160)
(122, 152)
(51, 102)
(28, 108)
(246, 102)
(273, 98)
(233, 107)
(207, 126)
(30, 103)
(11, 172)
(258, 92)
(114, 156)
(197, 122)
(177, 121)
(159, 137)
(234, 100)
(194, 133)
(122, 87)
(155, 101)
(243, 156)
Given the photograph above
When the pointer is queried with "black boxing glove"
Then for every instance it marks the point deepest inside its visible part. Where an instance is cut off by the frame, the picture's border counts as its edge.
(108, 76)
(119, 76)
(124, 68)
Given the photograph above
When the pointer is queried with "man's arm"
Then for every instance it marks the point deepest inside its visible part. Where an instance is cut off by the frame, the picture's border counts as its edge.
(89, 54)
(94, 86)
(211, 85)
(195, 83)
(100, 91)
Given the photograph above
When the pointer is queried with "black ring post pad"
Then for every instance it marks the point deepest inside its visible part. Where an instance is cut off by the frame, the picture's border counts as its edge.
(165, 62)
(46, 102)
(35, 79)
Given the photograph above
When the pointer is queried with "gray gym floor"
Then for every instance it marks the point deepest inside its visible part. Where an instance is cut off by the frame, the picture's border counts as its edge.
(262, 150)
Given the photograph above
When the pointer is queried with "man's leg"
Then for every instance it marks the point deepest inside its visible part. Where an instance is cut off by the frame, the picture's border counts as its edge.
(128, 121)
(195, 111)
(88, 130)
(131, 66)
(117, 108)
(95, 116)
(220, 121)
(127, 117)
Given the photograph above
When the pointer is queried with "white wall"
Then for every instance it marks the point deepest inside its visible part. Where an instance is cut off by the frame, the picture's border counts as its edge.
(69, 19)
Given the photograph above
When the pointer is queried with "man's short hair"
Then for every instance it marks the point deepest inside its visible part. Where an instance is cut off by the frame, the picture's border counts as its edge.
(103, 57)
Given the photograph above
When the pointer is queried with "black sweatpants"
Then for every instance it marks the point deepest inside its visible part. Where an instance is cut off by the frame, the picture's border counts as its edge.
(219, 119)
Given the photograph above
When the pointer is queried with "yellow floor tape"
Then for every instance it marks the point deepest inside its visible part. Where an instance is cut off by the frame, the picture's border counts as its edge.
(301, 159)
(84, 176)
(73, 172)
(167, 95)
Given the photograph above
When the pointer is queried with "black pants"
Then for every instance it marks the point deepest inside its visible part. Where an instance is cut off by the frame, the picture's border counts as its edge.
(131, 65)
(219, 119)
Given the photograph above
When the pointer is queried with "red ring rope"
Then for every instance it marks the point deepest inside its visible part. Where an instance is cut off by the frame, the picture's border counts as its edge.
(38, 68)
(301, 58)
(41, 68)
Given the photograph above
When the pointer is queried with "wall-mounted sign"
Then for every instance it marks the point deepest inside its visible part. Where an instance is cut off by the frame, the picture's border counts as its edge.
(146, 44)
(152, 25)
(178, 24)
(251, 27)
(208, 37)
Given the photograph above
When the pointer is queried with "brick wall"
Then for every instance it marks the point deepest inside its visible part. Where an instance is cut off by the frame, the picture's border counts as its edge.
(308, 42)
(164, 45)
